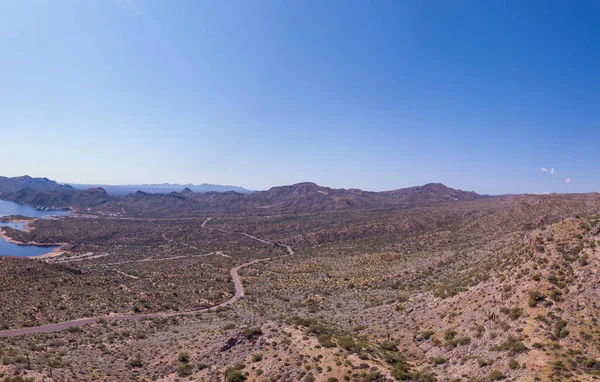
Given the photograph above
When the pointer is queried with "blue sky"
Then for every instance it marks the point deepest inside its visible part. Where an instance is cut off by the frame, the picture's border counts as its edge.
(479, 95)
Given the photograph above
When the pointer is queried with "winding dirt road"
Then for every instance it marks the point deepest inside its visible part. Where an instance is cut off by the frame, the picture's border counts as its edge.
(239, 292)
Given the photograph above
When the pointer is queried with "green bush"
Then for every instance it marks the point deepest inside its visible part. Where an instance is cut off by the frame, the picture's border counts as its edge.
(348, 343)
(257, 357)
(185, 370)
(388, 345)
(233, 375)
(560, 330)
(535, 297)
(183, 357)
(513, 364)
(437, 360)
(402, 372)
(496, 376)
(325, 341)
(511, 344)
(136, 362)
(513, 313)
(449, 335)
(426, 334)
(252, 333)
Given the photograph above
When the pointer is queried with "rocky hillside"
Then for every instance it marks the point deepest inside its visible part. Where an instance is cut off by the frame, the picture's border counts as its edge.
(301, 197)
(429, 193)
(8, 185)
(493, 289)
(310, 197)
(92, 198)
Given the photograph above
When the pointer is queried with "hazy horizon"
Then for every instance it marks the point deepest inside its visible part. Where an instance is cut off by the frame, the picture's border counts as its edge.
(492, 97)
(290, 184)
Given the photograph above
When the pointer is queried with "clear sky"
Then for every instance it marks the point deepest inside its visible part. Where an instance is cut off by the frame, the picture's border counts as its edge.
(378, 95)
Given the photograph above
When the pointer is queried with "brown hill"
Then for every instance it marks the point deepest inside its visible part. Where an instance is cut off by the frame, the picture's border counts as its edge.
(94, 197)
(15, 184)
(429, 193)
(301, 197)
(310, 197)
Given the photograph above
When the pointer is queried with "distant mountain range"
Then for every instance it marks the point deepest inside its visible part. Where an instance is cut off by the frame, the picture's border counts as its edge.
(297, 198)
(164, 188)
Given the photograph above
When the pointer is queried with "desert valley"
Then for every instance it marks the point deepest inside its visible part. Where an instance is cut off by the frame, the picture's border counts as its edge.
(299, 191)
(300, 283)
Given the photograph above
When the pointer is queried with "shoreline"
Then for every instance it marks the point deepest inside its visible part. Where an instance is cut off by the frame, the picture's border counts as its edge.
(54, 253)
(26, 223)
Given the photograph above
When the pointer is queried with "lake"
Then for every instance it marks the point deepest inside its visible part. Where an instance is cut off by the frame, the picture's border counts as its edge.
(10, 249)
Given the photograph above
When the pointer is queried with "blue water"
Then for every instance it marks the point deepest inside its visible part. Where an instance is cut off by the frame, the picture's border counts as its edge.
(10, 208)
(10, 249)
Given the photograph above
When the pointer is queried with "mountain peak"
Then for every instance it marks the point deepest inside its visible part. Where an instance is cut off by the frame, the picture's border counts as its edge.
(186, 191)
(38, 184)
(96, 190)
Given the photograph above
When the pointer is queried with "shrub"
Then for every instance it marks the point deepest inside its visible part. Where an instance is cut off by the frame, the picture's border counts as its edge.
(401, 371)
(183, 357)
(135, 362)
(202, 366)
(559, 328)
(591, 365)
(496, 376)
(481, 362)
(535, 297)
(437, 360)
(233, 375)
(388, 345)
(185, 370)
(449, 335)
(479, 330)
(513, 313)
(393, 358)
(257, 357)
(348, 343)
(252, 333)
(325, 341)
(511, 344)
(555, 295)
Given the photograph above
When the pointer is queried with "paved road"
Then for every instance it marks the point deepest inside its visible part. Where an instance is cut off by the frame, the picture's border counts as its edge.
(239, 292)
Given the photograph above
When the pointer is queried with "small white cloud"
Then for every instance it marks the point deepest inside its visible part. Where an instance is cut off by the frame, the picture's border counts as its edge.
(568, 180)
(550, 170)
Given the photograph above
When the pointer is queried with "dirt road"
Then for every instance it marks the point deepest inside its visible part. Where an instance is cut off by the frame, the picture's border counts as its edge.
(239, 292)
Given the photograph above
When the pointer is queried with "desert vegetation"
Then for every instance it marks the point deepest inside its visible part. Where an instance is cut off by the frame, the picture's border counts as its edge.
(482, 290)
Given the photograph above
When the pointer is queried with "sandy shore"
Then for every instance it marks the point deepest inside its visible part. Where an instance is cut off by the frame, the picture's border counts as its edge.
(56, 252)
